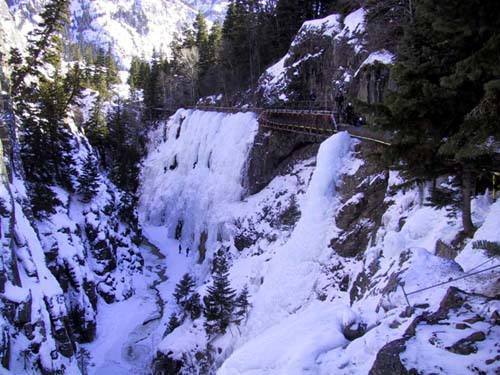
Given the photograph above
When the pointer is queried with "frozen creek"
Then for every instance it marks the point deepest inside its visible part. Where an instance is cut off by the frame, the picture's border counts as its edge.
(130, 330)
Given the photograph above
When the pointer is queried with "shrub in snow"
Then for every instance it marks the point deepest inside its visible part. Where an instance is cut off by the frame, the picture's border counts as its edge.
(173, 323)
(193, 306)
(241, 305)
(492, 248)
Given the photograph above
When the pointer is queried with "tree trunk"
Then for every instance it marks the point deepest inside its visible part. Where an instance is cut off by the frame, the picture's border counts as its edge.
(466, 199)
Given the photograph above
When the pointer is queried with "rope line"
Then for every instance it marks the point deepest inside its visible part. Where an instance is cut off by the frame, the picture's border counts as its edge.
(482, 264)
(469, 274)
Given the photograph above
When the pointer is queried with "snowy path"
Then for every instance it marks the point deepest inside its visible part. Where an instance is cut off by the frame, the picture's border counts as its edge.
(129, 331)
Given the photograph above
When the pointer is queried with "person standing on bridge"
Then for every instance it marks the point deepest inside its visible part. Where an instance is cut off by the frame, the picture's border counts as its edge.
(339, 101)
(360, 121)
(349, 116)
(312, 100)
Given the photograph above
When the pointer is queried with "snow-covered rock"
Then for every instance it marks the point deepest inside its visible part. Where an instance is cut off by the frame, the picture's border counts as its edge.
(326, 58)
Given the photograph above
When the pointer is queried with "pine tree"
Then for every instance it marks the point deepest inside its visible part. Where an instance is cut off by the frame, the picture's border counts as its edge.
(42, 104)
(111, 68)
(173, 323)
(202, 38)
(153, 93)
(445, 64)
(127, 210)
(183, 289)
(124, 145)
(241, 305)
(136, 74)
(193, 306)
(88, 181)
(219, 302)
(96, 128)
(43, 199)
(247, 42)
(45, 41)
(291, 14)
(210, 64)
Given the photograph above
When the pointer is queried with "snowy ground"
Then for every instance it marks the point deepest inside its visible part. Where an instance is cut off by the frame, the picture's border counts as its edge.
(129, 331)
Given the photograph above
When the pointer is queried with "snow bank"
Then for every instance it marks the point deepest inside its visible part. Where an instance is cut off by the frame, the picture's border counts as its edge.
(489, 231)
(383, 56)
(292, 346)
(195, 172)
(354, 26)
(329, 25)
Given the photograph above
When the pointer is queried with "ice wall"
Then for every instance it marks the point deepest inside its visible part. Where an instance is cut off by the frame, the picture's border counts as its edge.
(194, 171)
(285, 307)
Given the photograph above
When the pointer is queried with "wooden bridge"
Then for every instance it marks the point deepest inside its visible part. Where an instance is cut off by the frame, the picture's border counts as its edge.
(318, 123)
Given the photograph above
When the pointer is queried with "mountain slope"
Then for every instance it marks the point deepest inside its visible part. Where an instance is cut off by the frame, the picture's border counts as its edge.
(130, 27)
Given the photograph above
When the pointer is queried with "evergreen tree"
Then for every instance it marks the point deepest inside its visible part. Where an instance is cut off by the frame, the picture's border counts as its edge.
(173, 323)
(43, 199)
(105, 71)
(443, 67)
(248, 45)
(214, 43)
(111, 68)
(219, 302)
(201, 30)
(42, 104)
(96, 128)
(125, 145)
(154, 89)
(193, 306)
(241, 305)
(137, 74)
(183, 289)
(45, 41)
(127, 210)
(291, 14)
(88, 181)
(202, 44)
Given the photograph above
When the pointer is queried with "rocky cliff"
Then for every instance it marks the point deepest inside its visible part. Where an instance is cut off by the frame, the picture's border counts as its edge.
(55, 270)
(336, 54)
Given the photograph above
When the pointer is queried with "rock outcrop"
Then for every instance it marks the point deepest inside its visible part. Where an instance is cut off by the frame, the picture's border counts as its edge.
(446, 338)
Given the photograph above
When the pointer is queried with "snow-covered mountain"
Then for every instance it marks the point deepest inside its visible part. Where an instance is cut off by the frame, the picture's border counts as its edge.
(10, 35)
(130, 27)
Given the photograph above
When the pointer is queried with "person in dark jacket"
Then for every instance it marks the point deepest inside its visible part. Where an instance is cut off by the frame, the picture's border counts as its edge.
(360, 121)
(339, 100)
(349, 115)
